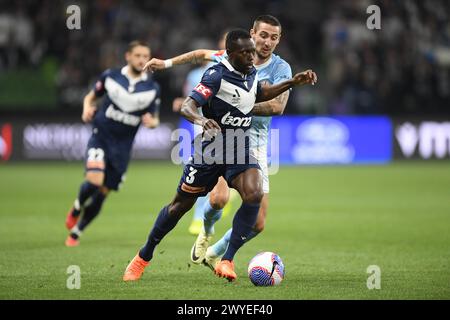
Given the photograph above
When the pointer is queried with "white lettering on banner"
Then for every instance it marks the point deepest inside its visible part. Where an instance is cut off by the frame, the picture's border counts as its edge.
(407, 137)
(69, 141)
(123, 117)
(431, 138)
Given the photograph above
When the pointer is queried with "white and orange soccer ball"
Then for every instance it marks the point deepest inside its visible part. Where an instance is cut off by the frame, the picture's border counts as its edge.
(266, 269)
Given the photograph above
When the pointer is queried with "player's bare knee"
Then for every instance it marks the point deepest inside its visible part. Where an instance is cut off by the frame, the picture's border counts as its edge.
(96, 178)
(259, 227)
(218, 202)
(253, 196)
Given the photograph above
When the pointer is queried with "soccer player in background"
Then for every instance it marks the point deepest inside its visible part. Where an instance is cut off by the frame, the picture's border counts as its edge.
(271, 69)
(131, 98)
(228, 92)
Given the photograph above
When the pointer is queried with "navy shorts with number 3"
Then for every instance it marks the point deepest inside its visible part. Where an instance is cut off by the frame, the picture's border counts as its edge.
(199, 179)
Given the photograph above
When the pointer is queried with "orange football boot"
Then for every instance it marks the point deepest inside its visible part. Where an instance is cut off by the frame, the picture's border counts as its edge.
(71, 221)
(71, 242)
(135, 269)
(225, 269)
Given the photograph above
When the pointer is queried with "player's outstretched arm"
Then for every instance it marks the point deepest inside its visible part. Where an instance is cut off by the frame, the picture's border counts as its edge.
(195, 57)
(272, 107)
(189, 110)
(89, 107)
(270, 92)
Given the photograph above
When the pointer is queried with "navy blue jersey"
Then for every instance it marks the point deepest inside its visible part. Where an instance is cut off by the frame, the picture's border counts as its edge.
(228, 97)
(126, 100)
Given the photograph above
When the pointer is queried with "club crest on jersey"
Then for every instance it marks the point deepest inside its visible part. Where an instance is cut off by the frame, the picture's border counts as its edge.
(236, 97)
(203, 90)
(229, 120)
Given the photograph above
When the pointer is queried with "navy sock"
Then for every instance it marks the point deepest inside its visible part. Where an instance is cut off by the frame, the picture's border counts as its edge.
(163, 224)
(92, 210)
(243, 222)
(87, 189)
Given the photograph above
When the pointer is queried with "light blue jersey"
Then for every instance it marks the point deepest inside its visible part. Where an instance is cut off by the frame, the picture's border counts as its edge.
(194, 77)
(273, 71)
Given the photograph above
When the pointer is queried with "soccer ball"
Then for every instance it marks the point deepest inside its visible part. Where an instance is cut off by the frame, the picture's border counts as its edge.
(266, 269)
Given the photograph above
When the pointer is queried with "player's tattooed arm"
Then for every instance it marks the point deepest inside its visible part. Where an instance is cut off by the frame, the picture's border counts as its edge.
(189, 110)
(195, 57)
(270, 92)
(89, 107)
(272, 107)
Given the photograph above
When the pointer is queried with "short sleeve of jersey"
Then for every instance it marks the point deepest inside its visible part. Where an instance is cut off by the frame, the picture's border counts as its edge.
(99, 87)
(219, 56)
(282, 73)
(208, 86)
(154, 106)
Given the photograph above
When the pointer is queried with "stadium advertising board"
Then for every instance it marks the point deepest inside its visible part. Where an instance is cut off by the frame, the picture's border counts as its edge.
(327, 140)
(6, 141)
(300, 140)
(427, 140)
(333, 140)
(67, 141)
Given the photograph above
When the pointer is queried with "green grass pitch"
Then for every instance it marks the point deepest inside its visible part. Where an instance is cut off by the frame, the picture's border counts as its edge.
(328, 224)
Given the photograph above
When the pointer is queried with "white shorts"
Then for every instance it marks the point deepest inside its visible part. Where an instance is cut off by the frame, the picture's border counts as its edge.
(261, 155)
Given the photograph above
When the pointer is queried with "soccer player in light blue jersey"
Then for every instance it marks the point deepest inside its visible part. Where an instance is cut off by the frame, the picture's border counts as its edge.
(266, 33)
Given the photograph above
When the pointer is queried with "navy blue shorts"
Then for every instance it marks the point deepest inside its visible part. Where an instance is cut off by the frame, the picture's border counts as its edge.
(108, 156)
(199, 179)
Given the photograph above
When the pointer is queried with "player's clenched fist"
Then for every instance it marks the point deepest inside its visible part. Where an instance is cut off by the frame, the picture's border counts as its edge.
(154, 64)
(305, 77)
(210, 128)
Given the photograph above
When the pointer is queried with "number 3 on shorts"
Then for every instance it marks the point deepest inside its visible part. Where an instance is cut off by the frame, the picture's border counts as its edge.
(190, 178)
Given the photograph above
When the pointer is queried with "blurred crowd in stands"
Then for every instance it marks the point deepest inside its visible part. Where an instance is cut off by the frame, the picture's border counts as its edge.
(403, 68)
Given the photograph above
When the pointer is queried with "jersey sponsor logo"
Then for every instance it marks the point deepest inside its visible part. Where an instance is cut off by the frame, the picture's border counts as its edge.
(203, 90)
(122, 117)
(229, 120)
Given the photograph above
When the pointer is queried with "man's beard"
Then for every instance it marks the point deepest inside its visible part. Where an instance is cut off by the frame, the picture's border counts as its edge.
(135, 71)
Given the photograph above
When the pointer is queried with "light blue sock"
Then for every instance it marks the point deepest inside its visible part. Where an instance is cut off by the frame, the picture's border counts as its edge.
(198, 211)
(211, 216)
(221, 246)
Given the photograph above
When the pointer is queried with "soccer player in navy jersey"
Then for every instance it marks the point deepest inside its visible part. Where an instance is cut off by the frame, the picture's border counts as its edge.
(131, 97)
(227, 94)
(266, 31)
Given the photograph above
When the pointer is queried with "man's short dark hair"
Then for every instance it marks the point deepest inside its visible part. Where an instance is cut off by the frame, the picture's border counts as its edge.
(267, 18)
(137, 43)
(233, 36)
